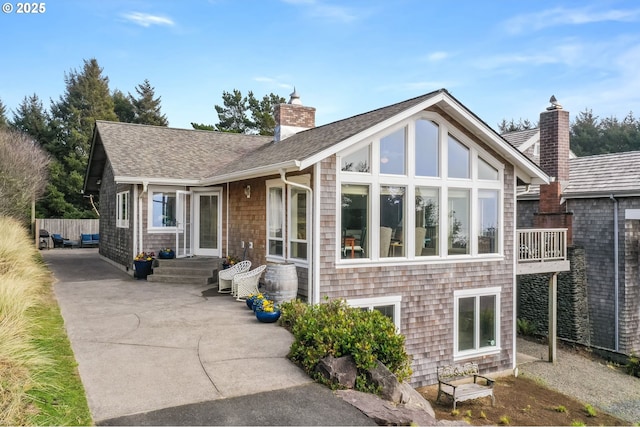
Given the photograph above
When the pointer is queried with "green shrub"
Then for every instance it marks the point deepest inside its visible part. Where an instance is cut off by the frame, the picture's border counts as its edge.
(577, 423)
(525, 327)
(591, 412)
(560, 409)
(291, 311)
(335, 329)
(633, 365)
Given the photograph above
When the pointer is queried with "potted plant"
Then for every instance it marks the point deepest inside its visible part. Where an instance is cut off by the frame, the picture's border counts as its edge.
(143, 264)
(166, 253)
(229, 261)
(267, 311)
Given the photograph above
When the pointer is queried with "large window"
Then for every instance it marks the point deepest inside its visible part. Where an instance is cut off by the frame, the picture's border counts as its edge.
(275, 221)
(425, 190)
(476, 321)
(163, 209)
(122, 209)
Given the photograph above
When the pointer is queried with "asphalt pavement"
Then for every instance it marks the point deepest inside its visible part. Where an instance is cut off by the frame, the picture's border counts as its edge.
(152, 353)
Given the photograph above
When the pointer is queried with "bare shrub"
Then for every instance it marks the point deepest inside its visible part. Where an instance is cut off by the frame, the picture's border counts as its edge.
(23, 173)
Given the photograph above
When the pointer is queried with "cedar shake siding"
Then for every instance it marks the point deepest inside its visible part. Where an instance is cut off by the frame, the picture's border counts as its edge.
(427, 288)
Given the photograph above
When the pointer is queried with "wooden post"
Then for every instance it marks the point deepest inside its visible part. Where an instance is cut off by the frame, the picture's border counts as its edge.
(553, 316)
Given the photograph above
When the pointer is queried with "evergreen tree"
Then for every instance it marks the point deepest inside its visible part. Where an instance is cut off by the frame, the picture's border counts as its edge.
(585, 134)
(262, 112)
(123, 107)
(233, 116)
(202, 126)
(86, 99)
(4, 124)
(146, 107)
(512, 126)
(32, 119)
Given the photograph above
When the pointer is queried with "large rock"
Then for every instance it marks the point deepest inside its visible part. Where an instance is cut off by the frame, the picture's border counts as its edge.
(386, 413)
(338, 370)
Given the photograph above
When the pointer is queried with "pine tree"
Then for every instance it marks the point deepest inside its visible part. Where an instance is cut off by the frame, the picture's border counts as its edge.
(123, 107)
(146, 107)
(4, 124)
(32, 119)
(262, 112)
(86, 99)
(585, 134)
(233, 116)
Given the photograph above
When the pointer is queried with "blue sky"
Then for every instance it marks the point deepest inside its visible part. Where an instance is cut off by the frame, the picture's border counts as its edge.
(501, 59)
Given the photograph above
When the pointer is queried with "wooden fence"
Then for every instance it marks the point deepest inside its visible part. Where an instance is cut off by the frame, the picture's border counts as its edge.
(67, 228)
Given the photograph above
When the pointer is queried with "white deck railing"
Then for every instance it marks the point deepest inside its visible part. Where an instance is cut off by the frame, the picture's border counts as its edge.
(542, 244)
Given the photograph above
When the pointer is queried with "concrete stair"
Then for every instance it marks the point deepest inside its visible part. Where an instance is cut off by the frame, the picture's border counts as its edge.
(194, 271)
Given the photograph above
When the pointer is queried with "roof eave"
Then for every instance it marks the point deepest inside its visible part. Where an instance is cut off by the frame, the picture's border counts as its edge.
(289, 165)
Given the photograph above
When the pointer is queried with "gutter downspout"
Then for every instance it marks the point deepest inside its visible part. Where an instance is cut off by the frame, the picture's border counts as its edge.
(145, 187)
(616, 255)
(310, 288)
(226, 231)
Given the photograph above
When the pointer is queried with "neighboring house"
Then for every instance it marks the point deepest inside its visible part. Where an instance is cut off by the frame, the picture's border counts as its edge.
(409, 209)
(600, 196)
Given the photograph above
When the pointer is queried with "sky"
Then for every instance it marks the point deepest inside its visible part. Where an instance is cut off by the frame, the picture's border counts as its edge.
(501, 59)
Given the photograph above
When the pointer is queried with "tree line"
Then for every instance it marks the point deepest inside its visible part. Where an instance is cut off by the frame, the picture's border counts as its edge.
(590, 135)
(61, 136)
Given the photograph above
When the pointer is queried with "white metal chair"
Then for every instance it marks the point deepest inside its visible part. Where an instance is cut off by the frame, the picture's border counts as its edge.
(225, 277)
(245, 284)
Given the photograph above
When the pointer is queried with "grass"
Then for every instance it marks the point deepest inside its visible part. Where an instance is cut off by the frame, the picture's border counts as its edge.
(39, 382)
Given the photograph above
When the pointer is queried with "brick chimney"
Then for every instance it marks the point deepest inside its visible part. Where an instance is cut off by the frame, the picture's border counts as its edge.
(293, 117)
(554, 161)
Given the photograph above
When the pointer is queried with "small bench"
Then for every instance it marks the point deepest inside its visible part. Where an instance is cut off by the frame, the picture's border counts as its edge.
(454, 381)
(89, 240)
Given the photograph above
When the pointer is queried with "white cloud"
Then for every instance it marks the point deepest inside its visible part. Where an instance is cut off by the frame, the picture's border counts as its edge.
(437, 56)
(562, 16)
(323, 10)
(273, 82)
(146, 20)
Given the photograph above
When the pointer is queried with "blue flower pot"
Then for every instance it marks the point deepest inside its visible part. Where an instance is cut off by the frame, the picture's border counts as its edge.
(166, 254)
(143, 269)
(268, 317)
(249, 302)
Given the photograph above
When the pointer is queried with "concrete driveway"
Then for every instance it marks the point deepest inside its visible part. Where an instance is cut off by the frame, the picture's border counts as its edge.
(167, 354)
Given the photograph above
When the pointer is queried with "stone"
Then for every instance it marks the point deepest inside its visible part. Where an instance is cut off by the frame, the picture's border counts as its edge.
(384, 412)
(338, 370)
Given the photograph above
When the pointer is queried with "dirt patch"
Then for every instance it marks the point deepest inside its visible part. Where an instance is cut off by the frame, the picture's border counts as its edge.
(519, 401)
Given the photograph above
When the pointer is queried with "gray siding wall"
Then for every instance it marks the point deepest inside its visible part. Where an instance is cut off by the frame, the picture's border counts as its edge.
(426, 289)
(593, 230)
(115, 243)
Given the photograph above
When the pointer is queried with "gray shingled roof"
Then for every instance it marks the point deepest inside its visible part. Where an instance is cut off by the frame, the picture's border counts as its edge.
(139, 152)
(160, 152)
(518, 138)
(600, 176)
(616, 173)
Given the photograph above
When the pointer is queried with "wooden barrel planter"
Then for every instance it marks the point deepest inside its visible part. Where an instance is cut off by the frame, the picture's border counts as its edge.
(281, 282)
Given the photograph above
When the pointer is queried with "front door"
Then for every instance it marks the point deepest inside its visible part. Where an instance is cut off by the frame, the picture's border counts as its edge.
(207, 230)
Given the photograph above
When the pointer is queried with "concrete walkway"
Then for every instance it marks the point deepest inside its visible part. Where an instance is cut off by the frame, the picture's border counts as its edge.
(164, 354)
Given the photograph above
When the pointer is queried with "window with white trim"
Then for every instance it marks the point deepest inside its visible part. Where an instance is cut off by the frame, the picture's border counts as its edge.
(163, 209)
(389, 306)
(476, 321)
(431, 193)
(275, 219)
(122, 209)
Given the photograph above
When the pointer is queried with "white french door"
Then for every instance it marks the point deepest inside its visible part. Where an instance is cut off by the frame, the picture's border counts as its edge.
(183, 224)
(207, 225)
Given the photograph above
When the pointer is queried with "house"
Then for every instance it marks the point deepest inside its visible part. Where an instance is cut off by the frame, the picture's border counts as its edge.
(409, 209)
(598, 198)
